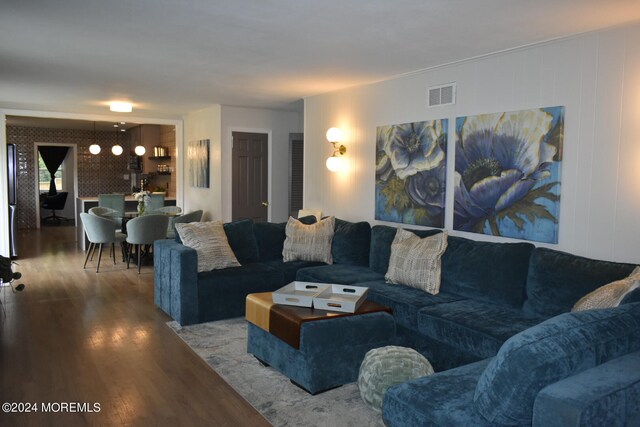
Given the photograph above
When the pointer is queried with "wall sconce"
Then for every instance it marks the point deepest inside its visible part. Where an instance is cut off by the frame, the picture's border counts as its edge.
(336, 162)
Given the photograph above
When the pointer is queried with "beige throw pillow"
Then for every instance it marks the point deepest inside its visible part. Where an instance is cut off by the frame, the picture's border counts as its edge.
(211, 244)
(609, 295)
(308, 242)
(415, 261)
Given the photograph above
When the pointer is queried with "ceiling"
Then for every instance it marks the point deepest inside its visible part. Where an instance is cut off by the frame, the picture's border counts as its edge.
(171, 57)
(50, 123)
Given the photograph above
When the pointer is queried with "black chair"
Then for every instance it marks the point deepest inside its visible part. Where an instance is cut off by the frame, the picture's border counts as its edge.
(54, 203)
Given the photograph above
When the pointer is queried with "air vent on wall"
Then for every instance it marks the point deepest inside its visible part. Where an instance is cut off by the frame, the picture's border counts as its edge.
(442, 94)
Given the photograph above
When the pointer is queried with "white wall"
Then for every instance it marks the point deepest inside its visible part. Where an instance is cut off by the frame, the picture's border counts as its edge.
(596, 77)
(277, 124)
(204, 124)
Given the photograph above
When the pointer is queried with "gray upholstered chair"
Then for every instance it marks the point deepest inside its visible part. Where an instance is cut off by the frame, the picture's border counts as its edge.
(113, 201)
(100, 231)
(156, 201)
(108, 213)
(144, 230)
(172, 212)
(194, 216)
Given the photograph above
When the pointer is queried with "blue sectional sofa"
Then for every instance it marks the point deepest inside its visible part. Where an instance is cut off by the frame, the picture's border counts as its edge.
(500, 335)
(191, 297)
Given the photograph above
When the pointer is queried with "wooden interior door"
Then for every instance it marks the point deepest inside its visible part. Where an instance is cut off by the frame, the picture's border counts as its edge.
(250, 175)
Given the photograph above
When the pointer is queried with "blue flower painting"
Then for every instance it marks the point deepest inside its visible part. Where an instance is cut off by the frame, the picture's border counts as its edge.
(411, 172)
(507, 177)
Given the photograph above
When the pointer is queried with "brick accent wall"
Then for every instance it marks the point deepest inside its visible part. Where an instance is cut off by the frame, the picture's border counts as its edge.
(102, 173)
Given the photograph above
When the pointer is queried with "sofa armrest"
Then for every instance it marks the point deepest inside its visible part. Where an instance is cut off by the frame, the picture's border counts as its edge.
(606, 395)
(175, 280)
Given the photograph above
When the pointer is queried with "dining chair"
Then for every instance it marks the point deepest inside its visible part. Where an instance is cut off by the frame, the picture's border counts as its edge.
(144, 230)
(113, 201)
(100, 231)
(107, 213)
(172, 212)
(194, 216)
(156, 201)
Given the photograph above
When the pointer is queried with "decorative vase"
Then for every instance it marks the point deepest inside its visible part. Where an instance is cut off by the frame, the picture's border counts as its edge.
(141, 207)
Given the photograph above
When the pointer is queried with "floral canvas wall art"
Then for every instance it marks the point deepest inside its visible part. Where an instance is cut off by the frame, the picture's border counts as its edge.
(507, 174)
(411, 172)
(198, 160)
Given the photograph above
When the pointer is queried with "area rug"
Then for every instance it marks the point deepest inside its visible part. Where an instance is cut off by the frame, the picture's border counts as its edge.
(223, 345)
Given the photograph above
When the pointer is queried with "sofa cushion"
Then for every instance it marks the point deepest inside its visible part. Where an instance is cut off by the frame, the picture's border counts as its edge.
(308, 242)
(381, 238)
(486, 271)
(546, 353)
(351, 242)
(631, 297)
(415, 261)
(557, 280)
(222, 293)
(609, 295)
(290, 269)
(442, 399)
(405, 301)
(342, 274)
(210, 242)
(242, 240)
(270, 237)
(477, 327)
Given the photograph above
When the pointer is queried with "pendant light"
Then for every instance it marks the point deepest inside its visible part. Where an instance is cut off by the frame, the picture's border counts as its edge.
(117, 149)
(94, 148)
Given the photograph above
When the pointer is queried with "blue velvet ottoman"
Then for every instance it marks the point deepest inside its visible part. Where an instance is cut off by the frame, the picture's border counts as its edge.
(330, 351)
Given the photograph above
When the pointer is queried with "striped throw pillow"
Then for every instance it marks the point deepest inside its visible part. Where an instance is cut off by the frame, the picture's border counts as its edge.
(210, 242)
(309, 242)
(416, 262)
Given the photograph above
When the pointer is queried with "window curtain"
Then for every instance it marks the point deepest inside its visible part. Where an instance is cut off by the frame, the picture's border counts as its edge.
(53, 158)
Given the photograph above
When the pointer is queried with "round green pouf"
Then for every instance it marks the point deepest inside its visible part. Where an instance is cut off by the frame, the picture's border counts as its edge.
(387, 366)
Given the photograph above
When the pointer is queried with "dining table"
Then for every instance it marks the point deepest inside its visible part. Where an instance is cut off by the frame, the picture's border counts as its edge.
(83, 204)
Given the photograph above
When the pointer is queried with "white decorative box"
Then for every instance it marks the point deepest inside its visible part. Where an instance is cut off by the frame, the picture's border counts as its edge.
(343, 298)
(298, 293)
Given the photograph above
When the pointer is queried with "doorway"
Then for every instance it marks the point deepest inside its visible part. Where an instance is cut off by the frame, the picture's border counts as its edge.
(296, 173)
(66, 181)
(250, 176)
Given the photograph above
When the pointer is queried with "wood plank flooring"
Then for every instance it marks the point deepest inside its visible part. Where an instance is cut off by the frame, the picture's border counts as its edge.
(76, 336)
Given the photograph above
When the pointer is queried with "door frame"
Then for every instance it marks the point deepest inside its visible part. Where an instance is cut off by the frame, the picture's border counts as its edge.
(294, 136)
(72, 198)
(227, 174)
(4, 112)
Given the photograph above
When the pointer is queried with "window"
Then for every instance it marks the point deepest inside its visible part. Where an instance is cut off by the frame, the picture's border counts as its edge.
(44, 178)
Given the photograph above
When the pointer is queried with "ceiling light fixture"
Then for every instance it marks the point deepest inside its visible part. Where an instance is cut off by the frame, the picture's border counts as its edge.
(121, 107)
(94, 148)
(140, 150)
